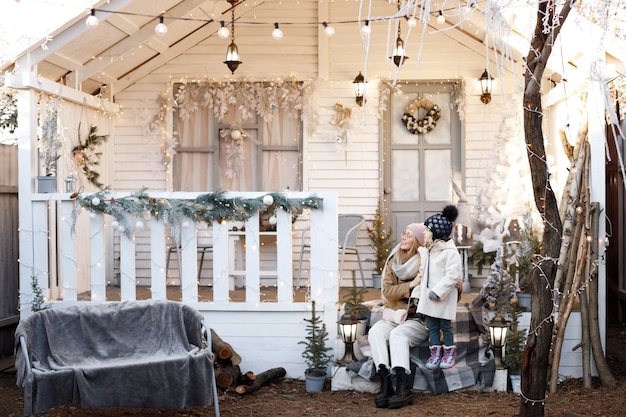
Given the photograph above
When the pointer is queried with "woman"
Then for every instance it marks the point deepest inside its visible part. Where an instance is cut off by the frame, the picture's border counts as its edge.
(390, 342)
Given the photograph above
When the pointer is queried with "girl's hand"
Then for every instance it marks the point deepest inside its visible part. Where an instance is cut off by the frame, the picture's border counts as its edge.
(433, 296)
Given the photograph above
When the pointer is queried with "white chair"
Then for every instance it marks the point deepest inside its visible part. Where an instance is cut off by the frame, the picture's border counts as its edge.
(347, 234)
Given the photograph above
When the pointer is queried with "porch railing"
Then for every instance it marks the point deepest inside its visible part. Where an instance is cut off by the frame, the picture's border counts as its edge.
(83, 254)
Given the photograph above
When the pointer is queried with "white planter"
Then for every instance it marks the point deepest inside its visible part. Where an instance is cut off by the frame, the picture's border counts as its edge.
(376, 279)
(516, 380)
(47, 184)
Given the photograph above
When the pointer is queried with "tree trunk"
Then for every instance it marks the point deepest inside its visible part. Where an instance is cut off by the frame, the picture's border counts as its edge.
(536, 353)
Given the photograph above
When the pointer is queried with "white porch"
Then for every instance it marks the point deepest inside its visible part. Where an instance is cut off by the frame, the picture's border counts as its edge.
(79, 266)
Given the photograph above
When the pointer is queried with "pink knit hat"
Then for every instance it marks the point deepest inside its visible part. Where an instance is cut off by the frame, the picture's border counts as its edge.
(418, 230)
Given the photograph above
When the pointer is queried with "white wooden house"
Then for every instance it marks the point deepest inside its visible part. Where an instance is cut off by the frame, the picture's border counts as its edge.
(123, 78)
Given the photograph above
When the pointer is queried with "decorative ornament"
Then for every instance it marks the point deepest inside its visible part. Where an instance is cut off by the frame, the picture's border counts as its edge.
(273, 220)
(87, 157)
(342, 116)
(235, 134)
(139, 226)
(115, 224)
(95, 201)
(425, 124)
(268, 200)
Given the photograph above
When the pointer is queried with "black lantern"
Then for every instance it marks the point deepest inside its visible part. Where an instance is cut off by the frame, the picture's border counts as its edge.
(485, 86)
(359, 88)
(232, 53)
(498, 328)
(348, 327)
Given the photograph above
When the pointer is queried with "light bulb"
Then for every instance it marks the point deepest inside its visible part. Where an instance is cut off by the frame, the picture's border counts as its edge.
(441, 19)
(277, 34)
(160, 28)
(328, 29)
(366, 30)
(223, 31)
(412, 22)
(92, 21)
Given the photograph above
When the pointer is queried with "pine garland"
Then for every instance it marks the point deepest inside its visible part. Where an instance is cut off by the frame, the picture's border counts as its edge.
(205, 208)
(87, 157)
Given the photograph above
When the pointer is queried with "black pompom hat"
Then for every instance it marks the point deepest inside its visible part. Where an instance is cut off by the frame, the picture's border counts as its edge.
(440, 224)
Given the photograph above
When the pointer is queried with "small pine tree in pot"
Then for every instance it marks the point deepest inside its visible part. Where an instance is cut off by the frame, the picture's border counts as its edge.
(315, 353)
(381, 241)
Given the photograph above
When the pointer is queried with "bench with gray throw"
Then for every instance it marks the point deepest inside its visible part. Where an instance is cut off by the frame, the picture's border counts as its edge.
(135, 354)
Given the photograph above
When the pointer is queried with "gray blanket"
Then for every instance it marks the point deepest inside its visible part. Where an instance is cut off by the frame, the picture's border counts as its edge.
(139, 354)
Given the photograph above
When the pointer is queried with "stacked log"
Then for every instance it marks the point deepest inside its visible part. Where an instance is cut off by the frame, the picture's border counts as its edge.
(228, 375)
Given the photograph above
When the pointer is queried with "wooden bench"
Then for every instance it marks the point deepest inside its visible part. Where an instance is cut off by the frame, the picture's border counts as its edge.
(131, 354)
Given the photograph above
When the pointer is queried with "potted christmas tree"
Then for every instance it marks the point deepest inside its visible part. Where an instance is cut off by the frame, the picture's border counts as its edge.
(382, 243)
(315, 353)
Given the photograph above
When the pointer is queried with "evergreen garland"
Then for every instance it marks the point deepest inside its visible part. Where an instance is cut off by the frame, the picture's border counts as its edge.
(87, 157)
(205, 208)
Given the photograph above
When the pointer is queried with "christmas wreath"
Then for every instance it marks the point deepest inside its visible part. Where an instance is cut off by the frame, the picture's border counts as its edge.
(425, 124)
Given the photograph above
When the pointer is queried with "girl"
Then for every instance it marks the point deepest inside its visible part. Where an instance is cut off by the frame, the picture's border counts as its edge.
(442, 268)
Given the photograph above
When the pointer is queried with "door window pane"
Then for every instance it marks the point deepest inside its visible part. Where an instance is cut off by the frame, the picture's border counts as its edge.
(437, 175)
(405, 175)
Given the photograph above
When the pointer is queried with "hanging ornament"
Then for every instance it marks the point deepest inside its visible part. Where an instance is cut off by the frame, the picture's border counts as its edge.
(268, 200)
(95, 201)
(185, 224)
(273, 220)
(115, 224)
(92, 215)
(235, 134)
(139, 226)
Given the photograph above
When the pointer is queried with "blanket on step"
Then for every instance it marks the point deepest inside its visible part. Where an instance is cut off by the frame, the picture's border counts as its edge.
(474, 361)
(139, 354)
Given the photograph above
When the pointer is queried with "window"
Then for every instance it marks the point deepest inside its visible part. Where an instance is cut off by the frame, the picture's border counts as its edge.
(251, 145)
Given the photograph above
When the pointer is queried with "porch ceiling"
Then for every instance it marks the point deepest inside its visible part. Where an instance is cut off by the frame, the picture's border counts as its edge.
(124, 46)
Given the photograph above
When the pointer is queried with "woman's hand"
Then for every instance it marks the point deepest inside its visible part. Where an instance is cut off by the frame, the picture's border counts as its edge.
(417, 280)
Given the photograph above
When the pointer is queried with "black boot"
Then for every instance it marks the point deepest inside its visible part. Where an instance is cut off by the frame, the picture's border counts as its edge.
(403, 395)
(386, 388)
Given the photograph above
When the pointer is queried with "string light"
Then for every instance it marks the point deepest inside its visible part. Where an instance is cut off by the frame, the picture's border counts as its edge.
(441, 19)
(328, 29)
(277, 34)
(223, 32)
(411, 21)
(366, 30)
(161, 28)
(92, 21)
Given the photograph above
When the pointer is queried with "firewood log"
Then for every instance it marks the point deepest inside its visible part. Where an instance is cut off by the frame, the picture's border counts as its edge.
(224, 350)
(226, 375)
(261, 379)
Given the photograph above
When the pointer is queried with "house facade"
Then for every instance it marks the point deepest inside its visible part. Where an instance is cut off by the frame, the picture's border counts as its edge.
(175, 124)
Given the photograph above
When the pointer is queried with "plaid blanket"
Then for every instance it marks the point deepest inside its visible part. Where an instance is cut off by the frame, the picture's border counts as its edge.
(474, 361)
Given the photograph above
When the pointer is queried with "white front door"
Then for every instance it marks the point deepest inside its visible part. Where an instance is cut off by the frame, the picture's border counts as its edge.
(421, 158)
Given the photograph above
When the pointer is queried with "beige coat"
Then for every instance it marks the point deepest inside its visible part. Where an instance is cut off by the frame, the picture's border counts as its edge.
(442, 269)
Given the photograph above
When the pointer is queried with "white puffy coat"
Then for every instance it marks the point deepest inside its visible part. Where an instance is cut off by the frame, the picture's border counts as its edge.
(442, 270)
